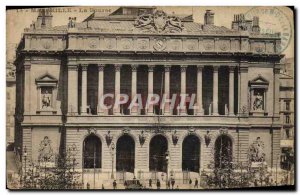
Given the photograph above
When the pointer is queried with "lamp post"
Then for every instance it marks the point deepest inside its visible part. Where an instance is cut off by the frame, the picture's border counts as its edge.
(25, 160)
(112, 159)
(167, 163)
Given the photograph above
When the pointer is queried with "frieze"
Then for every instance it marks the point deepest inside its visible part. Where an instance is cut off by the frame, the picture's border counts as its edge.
(223, 45)
(110, 43)
(93, 43)
(142, 44)
(175, 45)
(191, 44)
(208, 44)
(126, 44)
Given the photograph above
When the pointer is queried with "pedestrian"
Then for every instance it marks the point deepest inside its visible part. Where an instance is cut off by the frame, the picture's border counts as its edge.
(190, 182)
(125, 184)
(168, 184)
(102, 187)
(115, 184)
(158, 184)
(173, 183)
(177, 188)
(150, 183)
(196, 183)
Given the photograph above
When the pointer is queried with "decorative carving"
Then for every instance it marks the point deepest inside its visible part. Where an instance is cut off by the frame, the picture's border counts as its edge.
(126, 43)
(110, 43)
(192, 45)
(142, 138)
(126, 130)
(47, 44)
(256, 151)
(224, 46)
(46, 93)
(93, 43)
(191, 130)
(160, 44)
(208, 45)
(223, 131)
(45, 150)
(175, 138)
(108, 138)
(207, 138)
(175, 44)
(159, 22)
(92, 130)
(143, 44)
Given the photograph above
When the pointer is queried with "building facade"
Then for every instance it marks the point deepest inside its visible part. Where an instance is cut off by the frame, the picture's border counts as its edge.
(10, 102)
(64, 71)
(287, 113)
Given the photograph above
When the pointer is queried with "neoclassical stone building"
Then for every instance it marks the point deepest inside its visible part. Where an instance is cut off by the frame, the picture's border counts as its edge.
(63, 71)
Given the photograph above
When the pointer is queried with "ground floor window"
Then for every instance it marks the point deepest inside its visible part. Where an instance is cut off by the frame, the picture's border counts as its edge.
(223, 151)
(125, 154)
(158, 150)
(92, 152)
(191, 154)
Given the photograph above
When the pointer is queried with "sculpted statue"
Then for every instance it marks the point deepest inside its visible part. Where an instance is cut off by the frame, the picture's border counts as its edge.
(159, 22)
(258, 102)
(45, 151)
(46, 102)
(256, 151)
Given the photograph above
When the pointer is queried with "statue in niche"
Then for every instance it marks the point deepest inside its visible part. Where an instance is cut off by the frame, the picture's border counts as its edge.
(209, 109)
(226, 109)
(258, 103)
(46, 98)
(256, 151)
(46, 151)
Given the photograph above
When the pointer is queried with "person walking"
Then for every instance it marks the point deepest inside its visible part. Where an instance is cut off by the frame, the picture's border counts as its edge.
(168, 184)
(196, 183)
(158, 184)
(173, 183)
(115, 184)
(190, 182)
(150, 183)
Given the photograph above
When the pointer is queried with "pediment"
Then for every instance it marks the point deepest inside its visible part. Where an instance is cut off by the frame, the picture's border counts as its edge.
(46, 78)
(259, 80)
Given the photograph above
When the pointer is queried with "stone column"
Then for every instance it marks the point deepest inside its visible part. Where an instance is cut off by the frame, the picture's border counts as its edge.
(73, 89)
(167, 89)
(183, 86)
(150, 86)
(243, 87)
(84, 68)
(199, 90)
(100, 87)
(27, 89)
(215, 91)
(231, 90)
(117, 85)
(134, 87)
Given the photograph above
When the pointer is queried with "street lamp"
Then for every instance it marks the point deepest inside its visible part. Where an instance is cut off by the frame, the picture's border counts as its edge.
(25, 160)
(112, 159)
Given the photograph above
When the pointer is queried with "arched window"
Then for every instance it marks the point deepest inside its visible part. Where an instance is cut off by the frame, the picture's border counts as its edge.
(223, 151)
(92, 152)
(125, 154)
(158, 150)
(191, 154)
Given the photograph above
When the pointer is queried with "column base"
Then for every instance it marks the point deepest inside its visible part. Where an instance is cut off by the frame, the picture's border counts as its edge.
(215, 114)
(231, 114)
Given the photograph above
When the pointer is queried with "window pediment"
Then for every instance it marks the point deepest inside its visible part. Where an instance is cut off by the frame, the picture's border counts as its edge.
(259, 81)
(46, 80)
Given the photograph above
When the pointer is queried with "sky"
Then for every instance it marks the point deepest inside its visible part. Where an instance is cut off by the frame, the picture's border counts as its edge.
(17, 20)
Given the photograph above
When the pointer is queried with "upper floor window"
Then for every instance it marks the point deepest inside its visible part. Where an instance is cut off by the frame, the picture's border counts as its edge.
(46, 96)
(258, 95)
(287, 105)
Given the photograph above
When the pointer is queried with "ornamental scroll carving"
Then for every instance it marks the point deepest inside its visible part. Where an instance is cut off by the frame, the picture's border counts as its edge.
(160, 22)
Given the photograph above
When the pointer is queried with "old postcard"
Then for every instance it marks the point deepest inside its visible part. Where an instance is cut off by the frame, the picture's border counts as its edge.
(150, 98)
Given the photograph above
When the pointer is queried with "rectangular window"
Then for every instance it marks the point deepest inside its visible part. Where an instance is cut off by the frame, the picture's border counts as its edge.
(287, 119)
(287, 105)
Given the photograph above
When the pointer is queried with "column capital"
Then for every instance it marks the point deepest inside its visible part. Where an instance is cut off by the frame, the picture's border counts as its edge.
(167, 68)
(84, 67)
(27, 67)
(134, 67)
(231, 68)
(73, 67)
(101, 67)
(183, 68)
(150, 68)
(118, 67)
(200, 67)
(243, 69)
(216, 68)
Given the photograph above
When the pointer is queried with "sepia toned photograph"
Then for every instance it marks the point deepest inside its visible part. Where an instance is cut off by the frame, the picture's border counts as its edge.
(153, 98)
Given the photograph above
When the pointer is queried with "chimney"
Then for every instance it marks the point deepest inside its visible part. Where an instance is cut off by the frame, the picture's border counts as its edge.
(209, 17)
(255, 24)
(44, 19)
